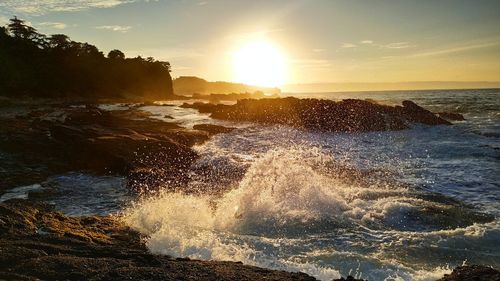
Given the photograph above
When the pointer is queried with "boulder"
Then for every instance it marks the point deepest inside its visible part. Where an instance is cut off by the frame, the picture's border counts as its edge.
(349, 115)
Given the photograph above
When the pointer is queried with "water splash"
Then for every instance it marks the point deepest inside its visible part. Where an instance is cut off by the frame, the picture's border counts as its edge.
(290, 203)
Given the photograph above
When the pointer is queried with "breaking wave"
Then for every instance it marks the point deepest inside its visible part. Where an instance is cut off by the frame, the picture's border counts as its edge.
(298, 209)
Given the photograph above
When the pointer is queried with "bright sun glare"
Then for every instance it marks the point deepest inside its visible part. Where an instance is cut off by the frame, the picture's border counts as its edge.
(260, 63)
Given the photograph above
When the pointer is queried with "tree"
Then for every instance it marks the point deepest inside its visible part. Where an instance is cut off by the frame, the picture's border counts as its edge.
(59, 41)
(166, 65)
(116, 55)
(20, 29)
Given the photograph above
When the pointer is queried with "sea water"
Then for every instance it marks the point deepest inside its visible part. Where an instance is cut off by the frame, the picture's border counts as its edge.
(401, 205)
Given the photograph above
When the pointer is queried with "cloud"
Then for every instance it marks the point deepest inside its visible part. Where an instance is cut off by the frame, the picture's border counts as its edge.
(202, 3)
(40, 7)
(456, 49)
(348, 45)
(117, 28)
(367, 42)
(53, 25)
(313, 63)
(397, 45)
(318, 50)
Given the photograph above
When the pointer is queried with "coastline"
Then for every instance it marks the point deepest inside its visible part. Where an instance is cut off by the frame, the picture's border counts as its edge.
(89, 130)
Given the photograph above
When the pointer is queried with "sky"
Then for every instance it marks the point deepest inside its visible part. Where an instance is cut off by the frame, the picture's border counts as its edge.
(321, 41)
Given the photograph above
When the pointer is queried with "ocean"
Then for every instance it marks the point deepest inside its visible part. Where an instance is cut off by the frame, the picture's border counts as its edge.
(398, 205)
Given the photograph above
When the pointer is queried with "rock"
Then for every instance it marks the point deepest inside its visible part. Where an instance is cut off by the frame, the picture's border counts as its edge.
(417, 114)
(472, 273)
(101, 142)
(451, 116)
(213, 129)
(98, 248)
(324, 115)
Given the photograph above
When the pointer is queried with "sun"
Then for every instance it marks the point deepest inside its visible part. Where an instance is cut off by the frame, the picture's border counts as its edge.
(259, 63)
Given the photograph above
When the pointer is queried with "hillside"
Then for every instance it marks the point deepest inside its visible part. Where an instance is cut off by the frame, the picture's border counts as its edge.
(188, 85)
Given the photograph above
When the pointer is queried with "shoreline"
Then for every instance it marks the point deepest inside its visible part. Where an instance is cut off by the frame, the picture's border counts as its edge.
(38, 243)
(92, 131)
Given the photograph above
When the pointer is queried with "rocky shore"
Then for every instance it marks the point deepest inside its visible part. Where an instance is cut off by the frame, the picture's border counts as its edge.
(36, 142)
(324, 115)
(37, 243)
(40, 142)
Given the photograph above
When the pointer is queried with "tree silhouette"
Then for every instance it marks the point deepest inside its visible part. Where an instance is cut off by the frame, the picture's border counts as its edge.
(59, 41)
(32, 64)
(20, 29)
(116, 55)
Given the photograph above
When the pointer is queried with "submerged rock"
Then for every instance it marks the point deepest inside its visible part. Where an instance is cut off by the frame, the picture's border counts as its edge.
(212, 129)
(349, 115)
(451, 116)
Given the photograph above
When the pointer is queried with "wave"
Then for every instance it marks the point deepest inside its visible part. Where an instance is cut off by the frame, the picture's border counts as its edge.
(291, 202)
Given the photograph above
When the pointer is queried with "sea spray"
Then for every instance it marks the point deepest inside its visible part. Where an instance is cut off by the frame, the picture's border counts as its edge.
(288, 205)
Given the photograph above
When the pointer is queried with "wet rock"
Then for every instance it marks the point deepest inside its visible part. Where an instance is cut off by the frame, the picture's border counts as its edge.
(472, 273)
(93, 140)
(451, 116)
(349, 115)
(212, 129)
(98, 248)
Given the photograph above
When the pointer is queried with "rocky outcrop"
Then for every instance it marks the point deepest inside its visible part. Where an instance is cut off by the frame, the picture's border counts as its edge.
(37, 243)
(124, 142)
(324, 115)
(451, 116)
(472, 273)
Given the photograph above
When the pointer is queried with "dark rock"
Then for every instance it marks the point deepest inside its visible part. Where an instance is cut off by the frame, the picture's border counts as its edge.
(98, 248)
(324, 115)
(451, 116)
(97, 141)
(212, 129)
(472, 273)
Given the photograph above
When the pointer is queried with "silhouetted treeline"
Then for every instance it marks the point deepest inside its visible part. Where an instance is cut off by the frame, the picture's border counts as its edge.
(37, 65)
(188, 85)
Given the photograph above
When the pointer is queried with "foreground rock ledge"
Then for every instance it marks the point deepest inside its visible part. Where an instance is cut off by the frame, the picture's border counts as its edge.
(38, 243)
(349, 115)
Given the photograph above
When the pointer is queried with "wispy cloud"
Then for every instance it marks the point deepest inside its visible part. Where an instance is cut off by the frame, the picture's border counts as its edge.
(318, 50)
(202, 3)
(397, 45)
(455, 49)
(348, 45)
(368, 42)
(116, 28)
(312, 63)
(53, 25)
(40, 7)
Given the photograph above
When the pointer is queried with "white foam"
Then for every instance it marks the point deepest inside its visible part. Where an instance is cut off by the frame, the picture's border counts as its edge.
(21, 192)
(284, 198)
